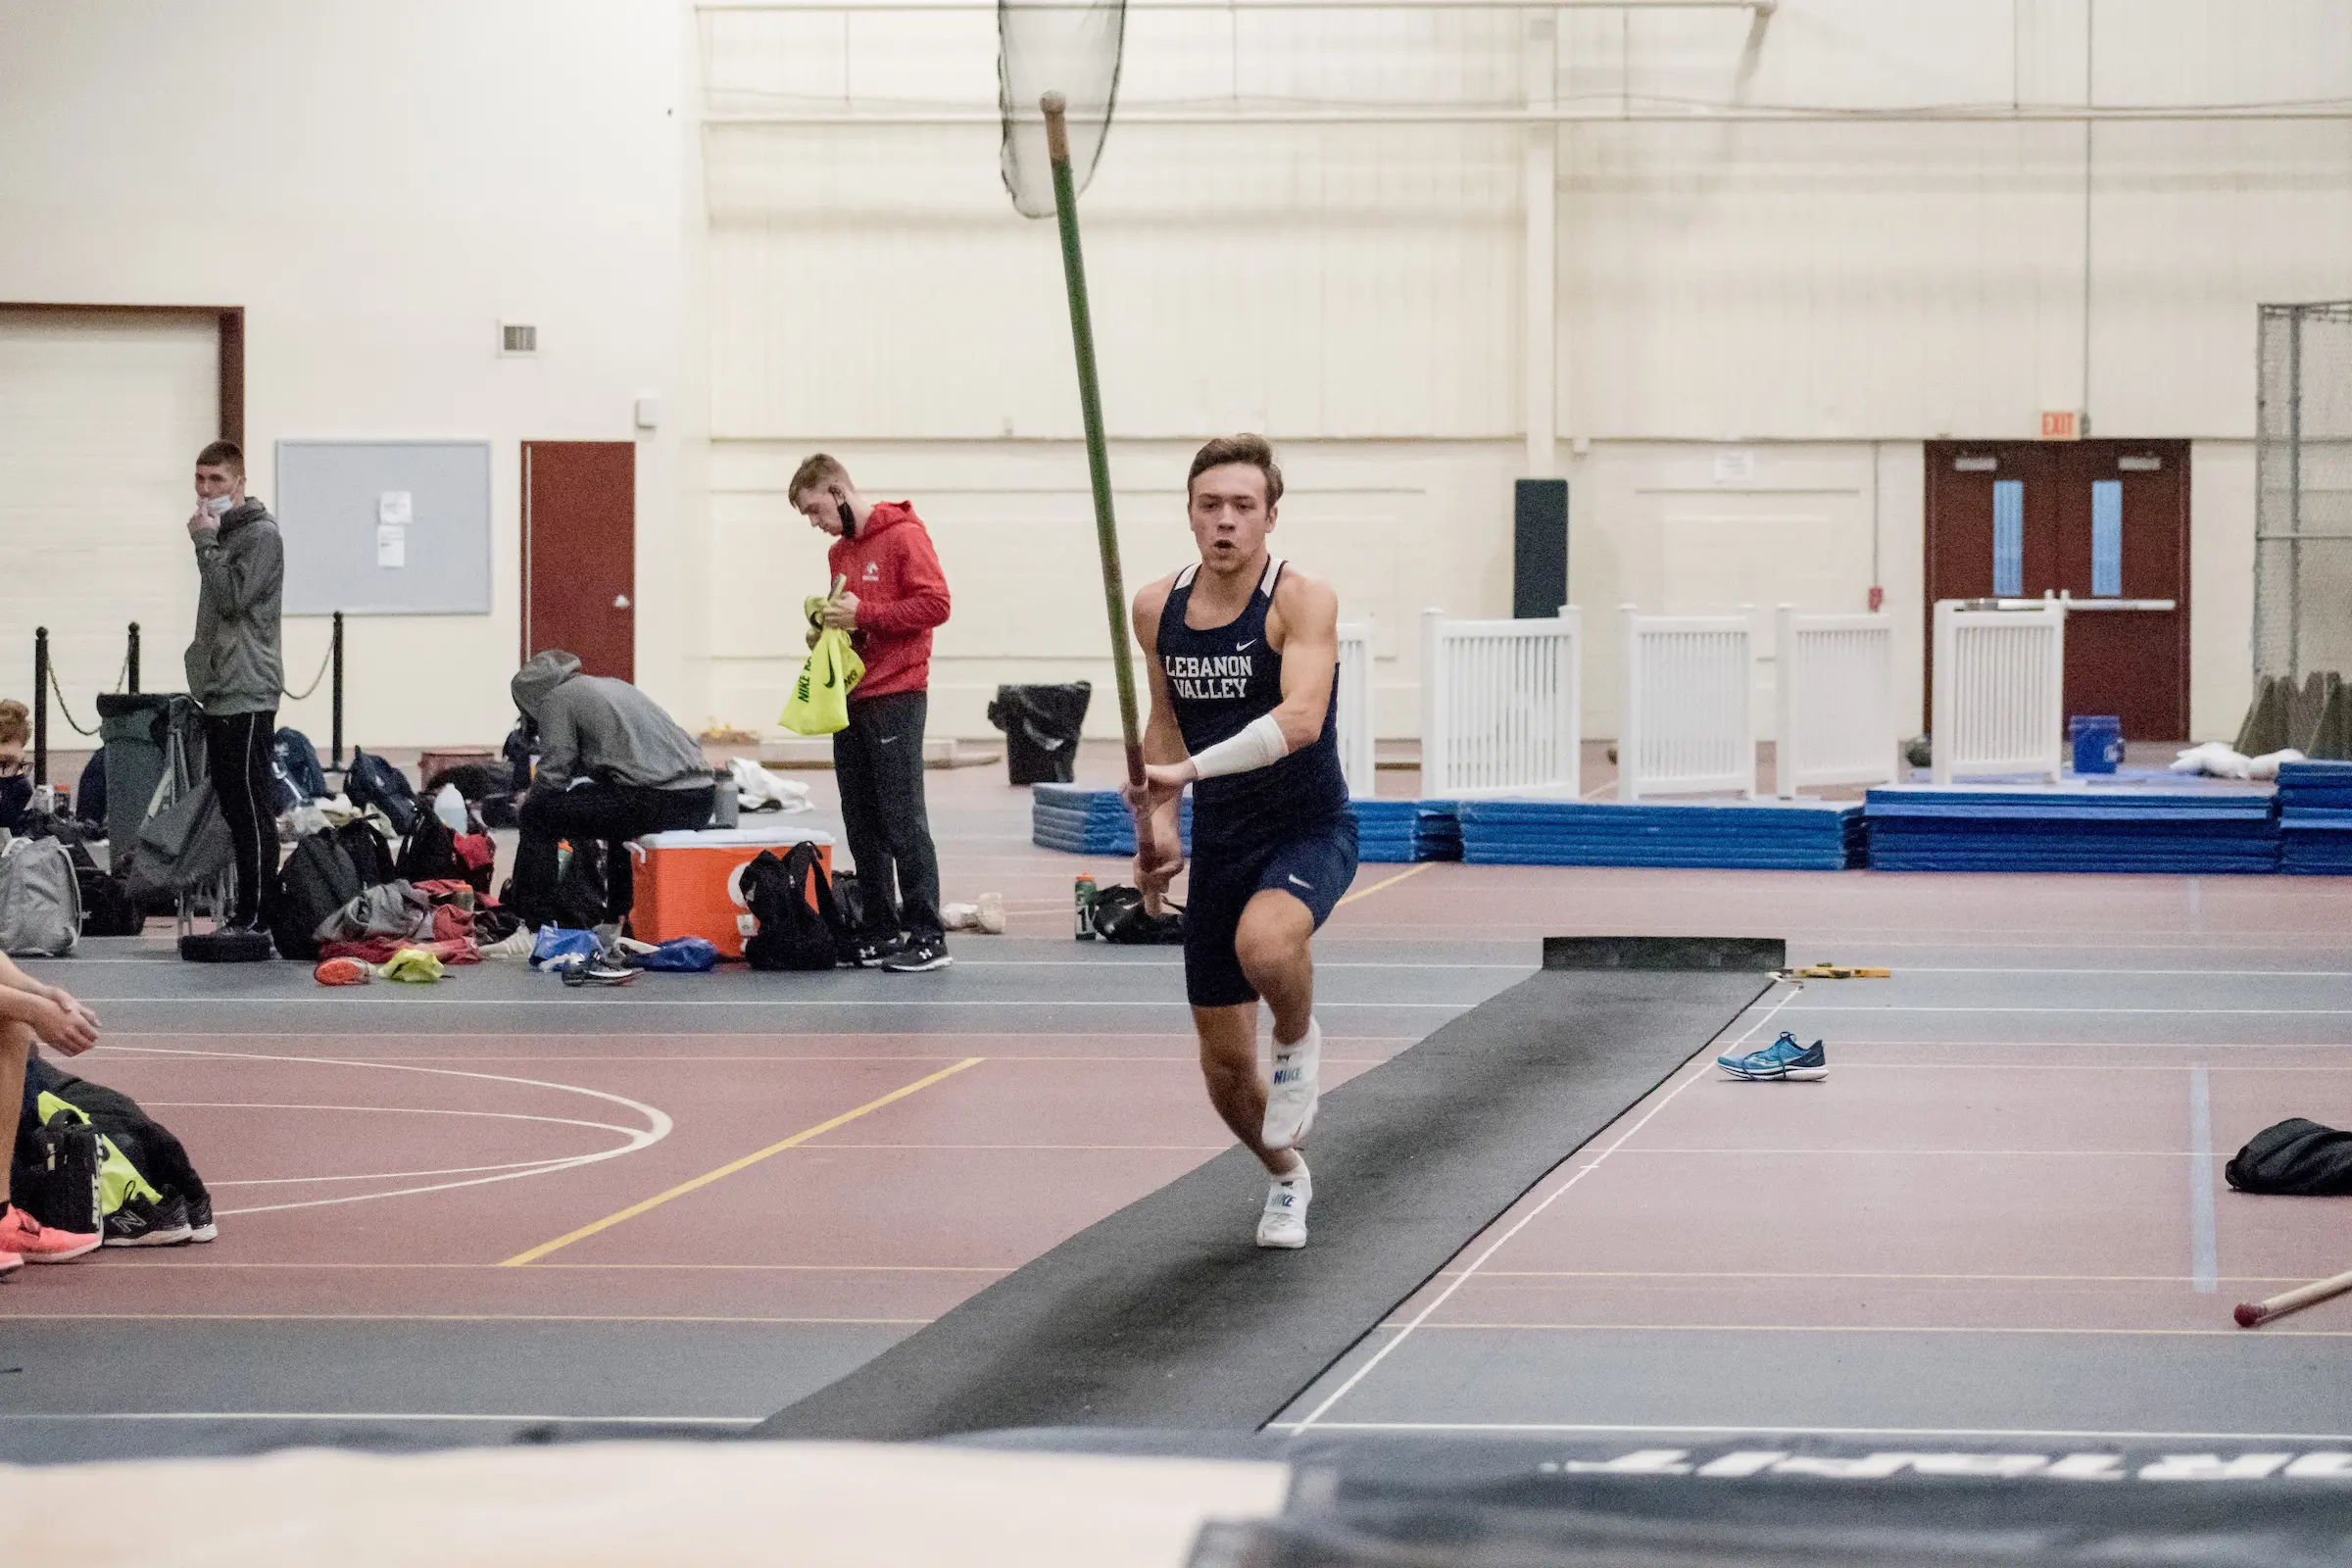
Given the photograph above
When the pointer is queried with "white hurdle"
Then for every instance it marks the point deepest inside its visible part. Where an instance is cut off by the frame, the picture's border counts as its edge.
(1353, 700)
(1500, 705)
(1834, 701)
(1687, 725)
(1999, 690)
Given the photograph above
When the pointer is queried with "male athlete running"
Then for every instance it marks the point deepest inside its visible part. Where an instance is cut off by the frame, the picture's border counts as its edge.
(1244, 654)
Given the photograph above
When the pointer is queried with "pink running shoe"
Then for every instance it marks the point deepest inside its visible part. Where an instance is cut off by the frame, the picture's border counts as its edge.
(35, 1243)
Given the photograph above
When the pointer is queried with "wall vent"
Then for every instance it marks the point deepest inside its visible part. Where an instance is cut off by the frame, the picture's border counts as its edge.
(517, 339)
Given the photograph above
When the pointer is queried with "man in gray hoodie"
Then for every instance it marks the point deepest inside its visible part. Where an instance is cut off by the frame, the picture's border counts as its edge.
(611, 765)
(234, 666)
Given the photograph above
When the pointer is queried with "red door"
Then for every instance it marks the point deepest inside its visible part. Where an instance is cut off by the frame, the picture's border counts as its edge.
(579, 553)
(2100, 520)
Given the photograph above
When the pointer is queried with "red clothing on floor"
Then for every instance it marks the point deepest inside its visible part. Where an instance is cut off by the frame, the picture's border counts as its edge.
(901, 594)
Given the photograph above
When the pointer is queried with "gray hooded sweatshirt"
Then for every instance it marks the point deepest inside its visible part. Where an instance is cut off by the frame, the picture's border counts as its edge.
(593, 726)
(235, 665)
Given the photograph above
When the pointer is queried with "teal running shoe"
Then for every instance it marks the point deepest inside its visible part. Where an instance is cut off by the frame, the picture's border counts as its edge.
(1784, 1059)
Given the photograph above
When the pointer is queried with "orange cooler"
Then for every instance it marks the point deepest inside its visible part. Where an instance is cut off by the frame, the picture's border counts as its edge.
(686, 879)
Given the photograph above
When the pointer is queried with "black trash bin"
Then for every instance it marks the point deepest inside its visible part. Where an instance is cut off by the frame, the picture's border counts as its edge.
(1040, 725)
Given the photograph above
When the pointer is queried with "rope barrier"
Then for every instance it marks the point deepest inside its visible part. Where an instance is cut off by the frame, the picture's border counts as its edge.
(323, 664)
(65, 712)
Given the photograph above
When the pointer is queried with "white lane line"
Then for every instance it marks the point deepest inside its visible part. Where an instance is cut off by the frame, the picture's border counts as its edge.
(657, 1123)
(946, 1003)
(2123, 1435)
(376, 1415)
(2032, 969)
(2187, 1012)
(1790, 992)
(2204, 1256)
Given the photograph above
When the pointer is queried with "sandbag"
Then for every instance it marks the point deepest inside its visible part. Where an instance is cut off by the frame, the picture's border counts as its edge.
(2297, 1157)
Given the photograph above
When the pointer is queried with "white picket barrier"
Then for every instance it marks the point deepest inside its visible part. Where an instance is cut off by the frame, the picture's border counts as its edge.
(1687, 725)
(1500, 705)
(1834, 701)
(1353, 702)
(1999, 690)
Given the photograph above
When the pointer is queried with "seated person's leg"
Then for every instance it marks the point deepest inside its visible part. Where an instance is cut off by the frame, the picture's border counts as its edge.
(587, 810)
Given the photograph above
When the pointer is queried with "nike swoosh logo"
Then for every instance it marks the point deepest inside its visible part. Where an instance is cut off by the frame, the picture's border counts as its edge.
(887, 740)
(1242, 648)
(1310, 886)
(830, 680)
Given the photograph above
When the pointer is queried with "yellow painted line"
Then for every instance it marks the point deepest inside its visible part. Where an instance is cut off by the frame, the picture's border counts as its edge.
(1385, 882)
(734, 1165)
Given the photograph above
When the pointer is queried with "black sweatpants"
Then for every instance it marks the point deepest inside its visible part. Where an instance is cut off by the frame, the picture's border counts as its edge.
(236, 747)
(613, 813)
(878, 762)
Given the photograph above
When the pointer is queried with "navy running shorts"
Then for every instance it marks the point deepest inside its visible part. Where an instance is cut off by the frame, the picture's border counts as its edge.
(1313, 866)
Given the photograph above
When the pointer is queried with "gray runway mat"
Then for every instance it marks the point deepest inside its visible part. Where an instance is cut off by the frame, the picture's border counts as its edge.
(1166, 1315)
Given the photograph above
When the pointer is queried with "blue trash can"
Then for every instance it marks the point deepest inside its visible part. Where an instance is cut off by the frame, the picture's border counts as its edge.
(2097, 742)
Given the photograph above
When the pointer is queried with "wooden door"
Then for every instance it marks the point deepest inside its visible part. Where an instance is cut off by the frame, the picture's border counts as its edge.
(579, 553)
(2098, 521)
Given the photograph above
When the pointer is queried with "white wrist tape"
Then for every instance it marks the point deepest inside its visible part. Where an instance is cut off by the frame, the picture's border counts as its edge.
(1256, 747)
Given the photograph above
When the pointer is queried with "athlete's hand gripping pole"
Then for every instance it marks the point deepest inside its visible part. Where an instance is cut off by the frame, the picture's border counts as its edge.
(1089, 402)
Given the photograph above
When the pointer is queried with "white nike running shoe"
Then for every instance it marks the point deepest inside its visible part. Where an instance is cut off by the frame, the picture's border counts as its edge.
(1291, 1103)
(1283, 1221)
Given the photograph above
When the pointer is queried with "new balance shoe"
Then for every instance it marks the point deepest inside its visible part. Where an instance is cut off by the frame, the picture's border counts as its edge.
(36, 1243)
(919, 957)
(1283, 1221)
(1290, 1100)
(200, 1220)
(1784, 1059)
(141, 1223)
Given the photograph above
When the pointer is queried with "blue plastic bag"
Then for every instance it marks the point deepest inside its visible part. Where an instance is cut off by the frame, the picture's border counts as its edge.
(683, 954)
(555, 942)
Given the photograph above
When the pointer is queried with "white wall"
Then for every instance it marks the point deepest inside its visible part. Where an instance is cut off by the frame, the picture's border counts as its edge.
(1829, 295)
(379, 186)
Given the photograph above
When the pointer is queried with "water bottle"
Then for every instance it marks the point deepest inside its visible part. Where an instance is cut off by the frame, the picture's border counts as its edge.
(449, 807)
(1086, 907)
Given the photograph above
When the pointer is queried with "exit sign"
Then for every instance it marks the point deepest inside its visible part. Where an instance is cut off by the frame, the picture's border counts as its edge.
(2061, 425)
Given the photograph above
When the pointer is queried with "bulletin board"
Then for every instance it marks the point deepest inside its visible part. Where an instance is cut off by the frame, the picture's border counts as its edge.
(385, 527)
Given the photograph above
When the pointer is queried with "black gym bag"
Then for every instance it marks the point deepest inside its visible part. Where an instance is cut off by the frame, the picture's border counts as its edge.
(2296, 1157)
(794, 932)
(55, 1177)
(1120, 917)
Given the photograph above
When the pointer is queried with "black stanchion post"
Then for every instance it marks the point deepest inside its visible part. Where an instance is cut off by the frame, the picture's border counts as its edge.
(131, 660)
(338, 661)
(40, 705)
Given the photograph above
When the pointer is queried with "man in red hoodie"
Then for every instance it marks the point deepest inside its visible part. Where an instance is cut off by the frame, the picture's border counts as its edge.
(893, 594)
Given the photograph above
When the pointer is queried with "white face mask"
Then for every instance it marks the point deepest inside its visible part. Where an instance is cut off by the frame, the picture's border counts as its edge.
(219, 505)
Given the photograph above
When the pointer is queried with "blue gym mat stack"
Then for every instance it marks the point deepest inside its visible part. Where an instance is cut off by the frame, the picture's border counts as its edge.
(2188, 831)
(1085, 821)
(1755, 835)
(1399, 831)
(2315, 819)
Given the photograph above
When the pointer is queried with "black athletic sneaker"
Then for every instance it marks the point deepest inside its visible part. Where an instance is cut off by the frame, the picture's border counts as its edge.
(200, 1220)
(919, 957)
(140, 1223)
(875, 954)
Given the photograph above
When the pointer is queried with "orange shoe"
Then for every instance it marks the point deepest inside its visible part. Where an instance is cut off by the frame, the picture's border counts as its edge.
(9, 1262)
(36, 1243)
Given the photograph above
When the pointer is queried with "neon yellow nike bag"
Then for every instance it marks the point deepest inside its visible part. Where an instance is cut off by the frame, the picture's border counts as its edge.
(820, 702)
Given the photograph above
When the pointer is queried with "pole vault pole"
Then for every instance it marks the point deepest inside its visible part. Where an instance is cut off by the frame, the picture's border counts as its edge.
(1090, 402)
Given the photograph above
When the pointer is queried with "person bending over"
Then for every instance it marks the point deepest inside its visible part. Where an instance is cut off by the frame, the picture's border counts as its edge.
(894, 594)
(612, 765)
(234, 666)
(1245, 657)
(29, 1011)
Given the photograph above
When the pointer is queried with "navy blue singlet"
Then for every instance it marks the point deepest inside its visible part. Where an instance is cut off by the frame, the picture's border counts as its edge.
(1223, 679)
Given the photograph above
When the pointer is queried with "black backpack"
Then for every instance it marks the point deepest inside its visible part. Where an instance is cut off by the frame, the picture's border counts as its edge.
(373, 781)
(430, 854)
(370, 857)
(794, 933)
(295, 762)
(58, 1185)
(318, 880)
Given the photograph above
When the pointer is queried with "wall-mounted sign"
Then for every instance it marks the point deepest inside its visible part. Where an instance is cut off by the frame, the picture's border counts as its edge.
(2061, 425)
